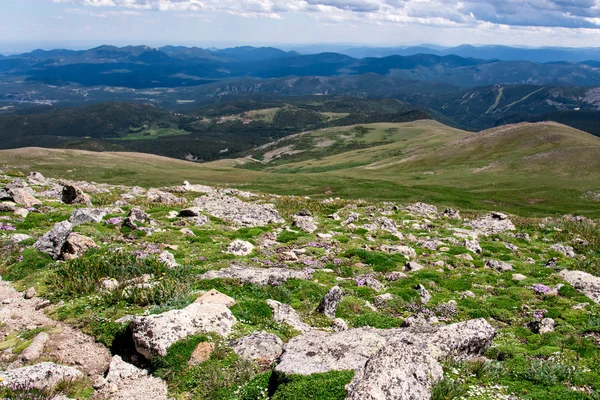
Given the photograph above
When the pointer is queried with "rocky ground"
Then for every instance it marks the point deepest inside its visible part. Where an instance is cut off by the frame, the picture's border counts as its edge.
(194, 292)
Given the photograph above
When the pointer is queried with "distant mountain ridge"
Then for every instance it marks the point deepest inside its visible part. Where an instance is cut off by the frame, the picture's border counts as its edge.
(178, 66)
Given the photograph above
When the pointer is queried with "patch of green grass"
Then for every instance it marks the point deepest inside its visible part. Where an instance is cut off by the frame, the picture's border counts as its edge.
(327, 386)
(381, 262)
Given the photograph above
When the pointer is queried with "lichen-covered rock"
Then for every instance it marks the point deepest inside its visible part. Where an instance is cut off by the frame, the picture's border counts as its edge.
(240, 248)
(53, 241)
(24, 198)
(587, 284)
(154, 334)
(499, 266)
(422, 209)
(492, 223)
(36, 178)
(87, 215)
(407, 366)
(76, 245)
(168, 259)
(125, 381)
(72, 194)
(42, 376)
(305, 223)
(234, 210)
(285, 314)
(406, 251)
(256, 276)
(473, 246)
(166, 198)
(330, 301)
(259, 346)
(567, 251)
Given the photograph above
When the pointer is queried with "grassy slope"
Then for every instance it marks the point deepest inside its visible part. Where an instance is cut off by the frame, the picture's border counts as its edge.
(526, 168)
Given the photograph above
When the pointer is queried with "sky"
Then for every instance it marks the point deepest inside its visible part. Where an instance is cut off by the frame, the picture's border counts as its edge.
(30, 24)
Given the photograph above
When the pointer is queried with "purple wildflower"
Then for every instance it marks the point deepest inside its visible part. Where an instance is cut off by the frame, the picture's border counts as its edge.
(539, 314)
(114, 221)
(540, 288)
(7, 227)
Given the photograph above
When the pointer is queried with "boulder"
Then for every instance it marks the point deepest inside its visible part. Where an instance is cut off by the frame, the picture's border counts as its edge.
(87, 215)
(168, 259)
(24, 198)
(546, 326)
(76, 245)
(166, 198)
(305, 223)
(499, 266)
(30, 293)
(567, 251)
(421, 209)
(232, 209)
(53, 241)
(138, 215)
(413, 266)
(406, 251)
(492, 223)
(36, 178)
(154, 334)
(19, 237)
(451, 213)
(285, 314)
(125, 381)
(7, 206)
(42, 376)
(352, 218)
(473, 246)
(256, 276)
(408, 365)
(587, 284)
(240, 248)
(329, 303)
(72, 194)
(259, 346)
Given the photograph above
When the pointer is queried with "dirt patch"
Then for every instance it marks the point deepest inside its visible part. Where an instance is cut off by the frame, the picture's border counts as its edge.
(67, 345)
(325, 143)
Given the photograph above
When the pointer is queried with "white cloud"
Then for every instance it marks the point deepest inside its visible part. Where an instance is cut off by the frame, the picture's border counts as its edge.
(520, 13)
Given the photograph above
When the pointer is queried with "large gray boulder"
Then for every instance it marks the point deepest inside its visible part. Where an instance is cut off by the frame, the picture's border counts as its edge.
(53, 241)
(125, 381)
(408, 365)
(42, 376)
(587, 284)
(87, 215)
(305, 223)
(260, 346)
(256, 276)
(492, 223)
(232, 209)
(154, 334)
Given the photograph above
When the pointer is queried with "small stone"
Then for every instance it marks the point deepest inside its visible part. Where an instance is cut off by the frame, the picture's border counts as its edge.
(546, 325)
(499, 266)
(339, 325)
(168, 259)
(518, 277)
(30, 293)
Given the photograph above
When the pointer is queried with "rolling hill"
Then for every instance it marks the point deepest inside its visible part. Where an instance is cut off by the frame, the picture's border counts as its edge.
(526, 168)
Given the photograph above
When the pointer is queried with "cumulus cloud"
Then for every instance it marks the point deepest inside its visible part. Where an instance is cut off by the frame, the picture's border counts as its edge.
(522, 13)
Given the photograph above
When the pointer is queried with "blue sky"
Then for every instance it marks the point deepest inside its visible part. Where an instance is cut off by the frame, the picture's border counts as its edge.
(27, 24)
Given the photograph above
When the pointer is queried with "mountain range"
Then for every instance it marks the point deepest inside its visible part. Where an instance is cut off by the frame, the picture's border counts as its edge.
(175, 66)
